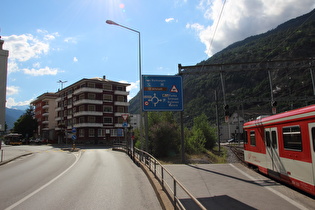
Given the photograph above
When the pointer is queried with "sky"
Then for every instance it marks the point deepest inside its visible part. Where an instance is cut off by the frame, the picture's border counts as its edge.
(68, 40)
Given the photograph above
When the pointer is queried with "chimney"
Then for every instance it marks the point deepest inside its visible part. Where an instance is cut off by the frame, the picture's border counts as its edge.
(104, 77)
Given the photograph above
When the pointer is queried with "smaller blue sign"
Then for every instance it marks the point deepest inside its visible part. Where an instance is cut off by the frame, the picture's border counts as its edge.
(74, 130)
(125, 124)
(120, 132)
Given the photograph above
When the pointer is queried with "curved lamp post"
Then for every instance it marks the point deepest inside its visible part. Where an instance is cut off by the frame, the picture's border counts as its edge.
(140, 73)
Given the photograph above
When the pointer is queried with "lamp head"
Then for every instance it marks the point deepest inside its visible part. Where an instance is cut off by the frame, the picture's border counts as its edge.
(111, 22)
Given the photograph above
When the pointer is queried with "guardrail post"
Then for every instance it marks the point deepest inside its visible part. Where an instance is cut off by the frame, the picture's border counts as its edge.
(1, 154)
(162, 179)
(174, 181)
(154, 167)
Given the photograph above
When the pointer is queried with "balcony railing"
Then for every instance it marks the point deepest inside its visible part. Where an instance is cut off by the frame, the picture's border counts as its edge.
(87, 89)
(93, 113)
(80, 125)
(121, 103)
(87, 101)
(120, 92)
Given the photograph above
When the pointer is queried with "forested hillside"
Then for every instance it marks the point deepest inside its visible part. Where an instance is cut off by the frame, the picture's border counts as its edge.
(248, 92)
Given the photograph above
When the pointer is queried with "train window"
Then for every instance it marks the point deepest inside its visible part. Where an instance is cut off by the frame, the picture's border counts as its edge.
(252, 138)
(274, 139)
(292, 138)
(245, 138)
(267, 138)
(313, 138)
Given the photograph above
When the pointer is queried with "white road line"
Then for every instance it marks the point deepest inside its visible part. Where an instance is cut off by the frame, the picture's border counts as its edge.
(270, 189)
(44, 186)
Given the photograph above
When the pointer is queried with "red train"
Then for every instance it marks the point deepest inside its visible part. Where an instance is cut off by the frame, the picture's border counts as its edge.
(283, 147)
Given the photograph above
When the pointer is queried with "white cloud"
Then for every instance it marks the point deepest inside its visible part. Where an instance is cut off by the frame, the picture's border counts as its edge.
(169, 20)
(11, 102)
(72, 40)
(41, 72)
(244, 18)
(133, 88)
(12, 67)
(24, 47)
(75, 59)
(11, 90)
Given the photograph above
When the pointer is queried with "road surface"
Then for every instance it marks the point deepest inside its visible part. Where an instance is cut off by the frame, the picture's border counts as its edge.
(89, 179)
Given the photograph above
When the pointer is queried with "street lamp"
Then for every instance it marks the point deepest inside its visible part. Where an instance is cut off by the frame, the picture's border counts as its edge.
(140, 73)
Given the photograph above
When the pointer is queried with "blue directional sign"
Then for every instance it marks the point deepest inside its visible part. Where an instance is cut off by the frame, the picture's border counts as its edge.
(162, 93)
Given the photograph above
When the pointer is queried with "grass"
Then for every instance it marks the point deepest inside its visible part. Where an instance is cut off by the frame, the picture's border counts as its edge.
(212, 156)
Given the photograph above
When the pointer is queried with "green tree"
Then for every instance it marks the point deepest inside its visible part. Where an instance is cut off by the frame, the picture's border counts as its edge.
(195, 141)
(201, 122)
(26, 124)
(164, 135)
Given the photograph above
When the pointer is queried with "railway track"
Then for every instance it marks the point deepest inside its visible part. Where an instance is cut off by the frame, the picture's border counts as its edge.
(238, 152)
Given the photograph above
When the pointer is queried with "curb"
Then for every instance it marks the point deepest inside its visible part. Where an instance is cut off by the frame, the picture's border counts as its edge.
(7, 161)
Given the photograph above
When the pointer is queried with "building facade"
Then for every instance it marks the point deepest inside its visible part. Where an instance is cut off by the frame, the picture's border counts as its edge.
(90, 111)
(4, 54)
(45, 113)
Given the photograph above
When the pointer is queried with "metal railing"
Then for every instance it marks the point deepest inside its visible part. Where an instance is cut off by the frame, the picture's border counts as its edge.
(173, 188)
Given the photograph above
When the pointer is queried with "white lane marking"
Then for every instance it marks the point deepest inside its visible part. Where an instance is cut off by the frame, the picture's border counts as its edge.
(270, 189)
(45, 185)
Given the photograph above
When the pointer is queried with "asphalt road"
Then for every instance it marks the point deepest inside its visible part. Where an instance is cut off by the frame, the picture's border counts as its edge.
(89, 179)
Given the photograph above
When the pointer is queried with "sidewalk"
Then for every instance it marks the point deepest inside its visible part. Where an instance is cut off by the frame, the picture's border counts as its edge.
(9, 153)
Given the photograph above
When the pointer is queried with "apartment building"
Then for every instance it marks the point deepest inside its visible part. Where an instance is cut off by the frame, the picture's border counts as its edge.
(45, 106)
(90, 111)
(4, 54)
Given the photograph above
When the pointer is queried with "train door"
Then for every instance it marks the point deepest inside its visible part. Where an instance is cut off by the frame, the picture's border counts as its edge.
(311, 127)
(272, 151)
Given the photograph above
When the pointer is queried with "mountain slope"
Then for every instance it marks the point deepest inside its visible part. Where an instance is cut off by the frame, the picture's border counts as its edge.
(250, 91)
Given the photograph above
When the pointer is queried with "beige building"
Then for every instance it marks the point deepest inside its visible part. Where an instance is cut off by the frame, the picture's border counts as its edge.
(4, 54)
(45, 113)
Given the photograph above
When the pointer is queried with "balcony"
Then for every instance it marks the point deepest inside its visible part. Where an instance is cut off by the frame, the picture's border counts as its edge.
(59, 99)
(121, 103)
(87, 101)
(45, 114)
(120, 92)
(87, 89)
(80, 125)
(69, 106)
(88, 113)
(45, 122)
(59, 109)
(46, 106)
(69, 117)
(118, 114)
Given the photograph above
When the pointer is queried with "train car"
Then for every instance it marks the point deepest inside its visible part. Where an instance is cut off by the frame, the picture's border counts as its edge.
(282, 146)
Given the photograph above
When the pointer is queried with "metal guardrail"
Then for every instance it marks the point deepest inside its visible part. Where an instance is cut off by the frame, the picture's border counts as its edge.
(174, 189)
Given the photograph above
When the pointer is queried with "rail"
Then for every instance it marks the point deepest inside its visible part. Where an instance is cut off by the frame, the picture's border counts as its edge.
(173, 188)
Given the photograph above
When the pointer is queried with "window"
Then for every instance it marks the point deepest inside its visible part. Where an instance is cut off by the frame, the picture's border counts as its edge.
(252, 138)
(91, 85)
(91, 107)
(121, 98)
(81, 120)
(246, 138)
(274, 139)
(292, 138)
(108, 120)
(81, 132)
(121, 109)
(101, 132)
(107, 108)
(91, 132)
(267, 138)
(91, 119)
(107, 87)
(113, 132)
(107, 97)
(119, 88)
(313, 138)
(81, 96)
(120, 120)
(91, 96)
(81, 108)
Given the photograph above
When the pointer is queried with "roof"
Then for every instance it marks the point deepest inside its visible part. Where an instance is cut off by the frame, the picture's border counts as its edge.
(297, 114)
